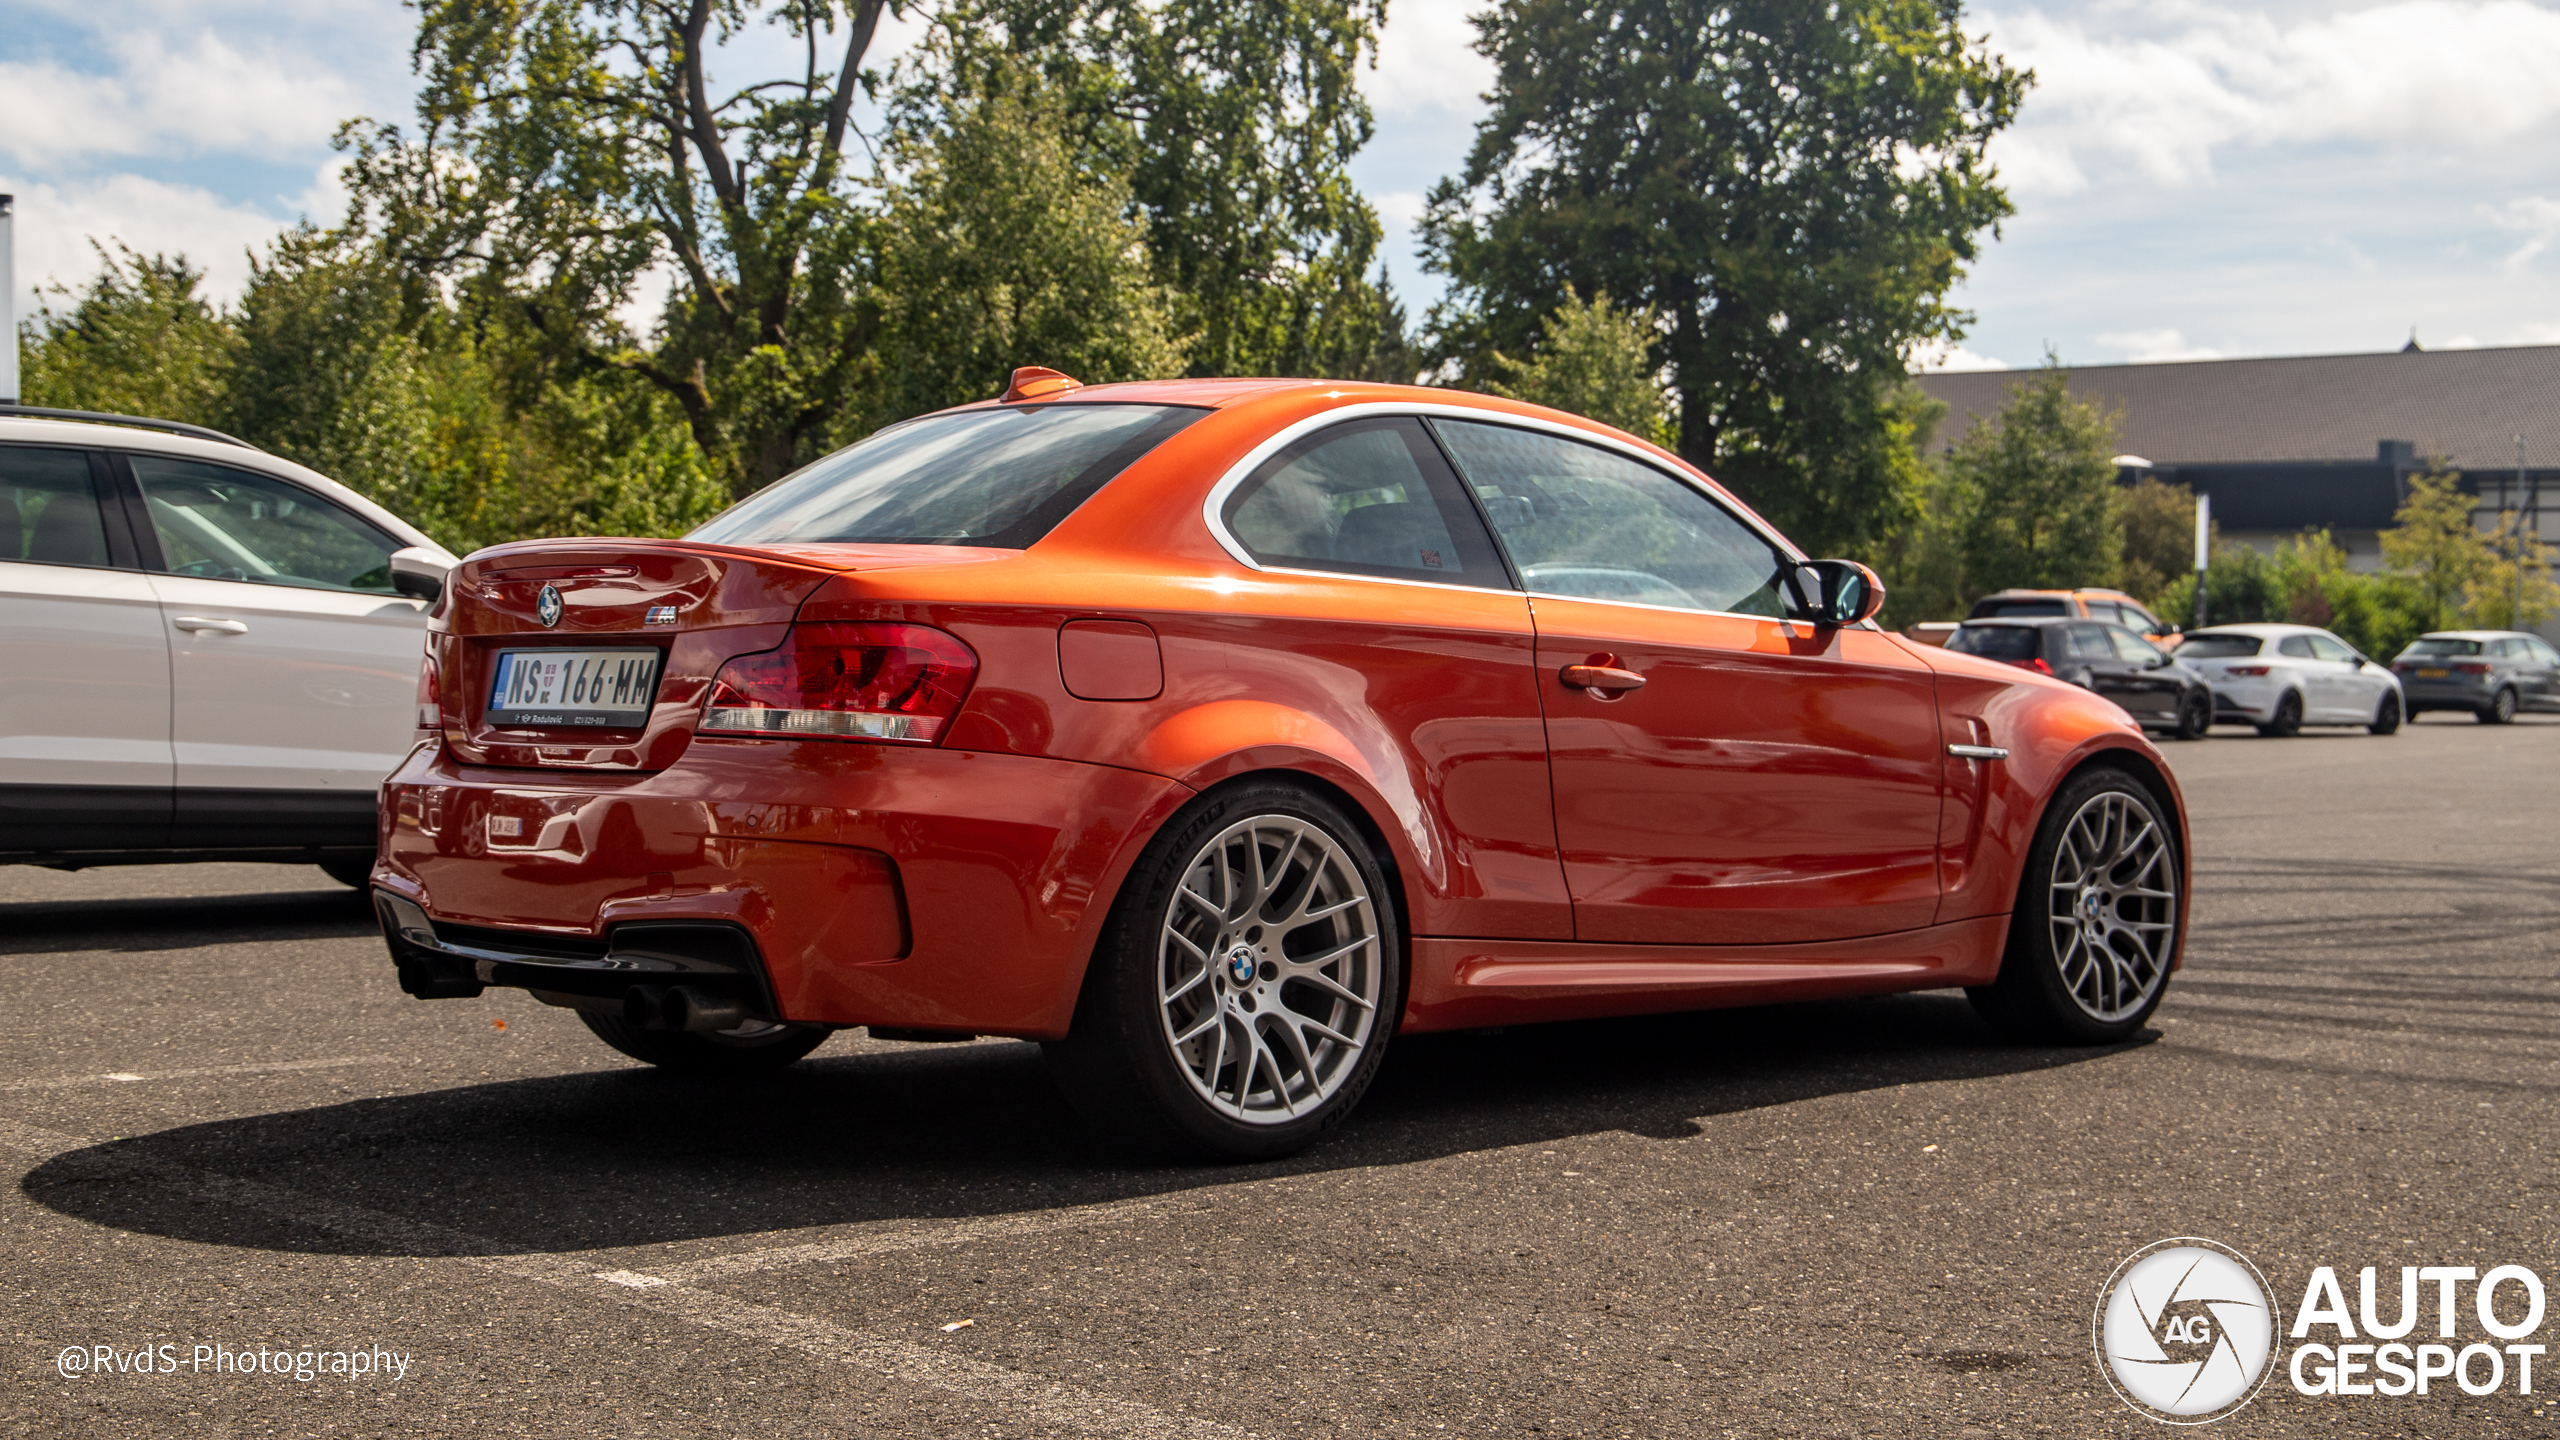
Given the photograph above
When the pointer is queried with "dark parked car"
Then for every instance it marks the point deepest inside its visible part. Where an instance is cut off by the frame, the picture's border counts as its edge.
(2491, 673)
(2158, 692)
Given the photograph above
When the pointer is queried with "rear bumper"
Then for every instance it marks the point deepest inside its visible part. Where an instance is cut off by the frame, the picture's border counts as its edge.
(2252, 703)
(872, 884)
(2446, 694)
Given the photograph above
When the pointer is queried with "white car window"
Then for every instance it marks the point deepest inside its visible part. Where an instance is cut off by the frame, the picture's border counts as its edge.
(2297, 646)
(2326, 647)
(48, 508)
(218, 523)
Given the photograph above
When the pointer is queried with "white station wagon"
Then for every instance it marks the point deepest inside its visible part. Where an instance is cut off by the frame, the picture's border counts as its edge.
(206, 653)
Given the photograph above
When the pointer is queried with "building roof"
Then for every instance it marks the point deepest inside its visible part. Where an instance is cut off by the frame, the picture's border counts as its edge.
(2462, 406)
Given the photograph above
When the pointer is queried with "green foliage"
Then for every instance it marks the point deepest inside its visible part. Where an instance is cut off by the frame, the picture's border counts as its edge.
(2433, 543)
(2159, 525)
(2513, 590)
(1595, 360)
(2040, 491)
(1793, 188)
(139, 340)
(1001, 248)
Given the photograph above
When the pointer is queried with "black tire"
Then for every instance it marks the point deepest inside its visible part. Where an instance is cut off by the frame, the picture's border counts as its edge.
(2288, 718)
(2501, 709)
(760, 1051)
(2040, 996)
(2195, 717)
(2386, 716)
(1162, 989)
(355, 871)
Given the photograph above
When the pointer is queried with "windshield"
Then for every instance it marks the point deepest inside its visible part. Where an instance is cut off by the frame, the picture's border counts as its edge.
(2217, 647)
(1994, 642)
(1001, 477)
(2442, 647)
(1997, 606)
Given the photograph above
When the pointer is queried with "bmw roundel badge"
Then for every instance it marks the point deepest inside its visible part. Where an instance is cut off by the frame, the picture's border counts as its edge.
(546, 606)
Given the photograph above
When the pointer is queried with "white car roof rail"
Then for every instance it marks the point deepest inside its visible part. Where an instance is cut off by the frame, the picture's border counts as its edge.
(101, 417)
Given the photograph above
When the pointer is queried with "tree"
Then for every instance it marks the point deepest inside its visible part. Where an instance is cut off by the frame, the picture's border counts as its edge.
(1593, 359)
(139, 340)
(1000, 247)
(2042, 493)
(2159, 524)
(2433, 543)
(2513, 590)
(1792, 187)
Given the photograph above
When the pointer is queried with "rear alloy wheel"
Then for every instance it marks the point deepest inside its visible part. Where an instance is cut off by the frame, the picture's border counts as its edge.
(2501, 709)
(758, 1047)
(2097, 921)
(2288, 717)
(2386, 717)
(2195, 716)
(1245, 988)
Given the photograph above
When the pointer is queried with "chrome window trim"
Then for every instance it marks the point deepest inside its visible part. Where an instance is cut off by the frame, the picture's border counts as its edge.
(1212, 507)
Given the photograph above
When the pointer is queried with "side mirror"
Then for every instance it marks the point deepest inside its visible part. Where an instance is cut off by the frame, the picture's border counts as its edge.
(1832, 592)
(418, 573)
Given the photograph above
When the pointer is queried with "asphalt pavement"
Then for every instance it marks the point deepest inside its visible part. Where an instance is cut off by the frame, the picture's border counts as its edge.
(235, 1138)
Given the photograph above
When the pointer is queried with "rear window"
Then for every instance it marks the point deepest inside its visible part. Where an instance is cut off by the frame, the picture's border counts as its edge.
(2442, 647)
(1001, 477)
(2217, 647)
(1987, 609)
(1994, 642)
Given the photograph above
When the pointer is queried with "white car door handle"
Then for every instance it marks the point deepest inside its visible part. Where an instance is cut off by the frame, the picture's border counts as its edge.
(219, 627)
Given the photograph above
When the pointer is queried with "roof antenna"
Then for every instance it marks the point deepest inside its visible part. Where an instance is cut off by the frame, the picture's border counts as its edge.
(2413, 347)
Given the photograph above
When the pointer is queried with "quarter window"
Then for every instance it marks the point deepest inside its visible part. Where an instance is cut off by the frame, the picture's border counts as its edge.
(1593, 524)
(1370, 497)
(218, 523)
(49, 507)
(2297, 646)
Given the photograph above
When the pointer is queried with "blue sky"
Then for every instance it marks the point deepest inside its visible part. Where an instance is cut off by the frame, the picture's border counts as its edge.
(2191, 179)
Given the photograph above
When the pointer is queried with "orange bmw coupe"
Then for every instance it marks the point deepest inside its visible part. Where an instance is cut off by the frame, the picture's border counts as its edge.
(1214, 732)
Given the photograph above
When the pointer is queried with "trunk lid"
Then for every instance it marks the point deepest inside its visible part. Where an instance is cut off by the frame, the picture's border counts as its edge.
(656, 616)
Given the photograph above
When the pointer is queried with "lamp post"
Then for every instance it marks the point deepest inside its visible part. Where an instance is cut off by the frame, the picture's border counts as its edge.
(2204, 551)
(8, 306)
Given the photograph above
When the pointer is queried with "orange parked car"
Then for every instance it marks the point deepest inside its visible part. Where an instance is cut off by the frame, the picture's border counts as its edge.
(2112, 607)
(1213, 733)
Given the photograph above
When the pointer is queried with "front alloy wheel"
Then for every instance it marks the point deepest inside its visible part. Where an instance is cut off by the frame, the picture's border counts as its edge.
(2097, 922)
(1245, 988)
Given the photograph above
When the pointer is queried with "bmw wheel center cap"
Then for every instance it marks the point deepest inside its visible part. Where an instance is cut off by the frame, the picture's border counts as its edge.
(1240, 964)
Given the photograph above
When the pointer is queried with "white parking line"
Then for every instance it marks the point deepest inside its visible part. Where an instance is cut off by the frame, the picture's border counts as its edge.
(855, 1247)
(124, 1077)
(1021, 1395)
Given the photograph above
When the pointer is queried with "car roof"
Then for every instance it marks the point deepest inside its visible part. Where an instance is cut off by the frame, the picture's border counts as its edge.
(18, 431)
(2029, 621)
(2479, 635)
(2260, 629)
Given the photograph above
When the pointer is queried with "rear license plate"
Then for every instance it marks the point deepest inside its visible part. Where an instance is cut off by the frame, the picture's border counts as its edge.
(547, 688)
(2426, 674)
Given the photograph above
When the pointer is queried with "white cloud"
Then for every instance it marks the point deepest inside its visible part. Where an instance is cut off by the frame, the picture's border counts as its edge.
(2538, 219)
(202, 98)
(1941, 355)
(1427, 61)
(2144, 345)
(2161, 89)
(55, 223)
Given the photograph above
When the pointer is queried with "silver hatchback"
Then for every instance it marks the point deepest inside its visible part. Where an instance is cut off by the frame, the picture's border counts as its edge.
(2491, 673)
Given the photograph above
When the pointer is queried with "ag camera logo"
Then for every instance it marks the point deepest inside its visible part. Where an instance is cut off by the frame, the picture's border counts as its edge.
(2185, 1330)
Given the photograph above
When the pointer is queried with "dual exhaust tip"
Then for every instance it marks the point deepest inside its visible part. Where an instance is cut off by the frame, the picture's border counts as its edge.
(682, 1007)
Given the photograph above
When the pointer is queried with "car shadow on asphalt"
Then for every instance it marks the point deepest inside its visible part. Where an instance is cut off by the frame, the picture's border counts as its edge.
(176, 922)
(634, 1157)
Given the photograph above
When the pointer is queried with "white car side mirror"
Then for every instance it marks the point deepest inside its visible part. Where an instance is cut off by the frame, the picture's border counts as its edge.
(418, 573)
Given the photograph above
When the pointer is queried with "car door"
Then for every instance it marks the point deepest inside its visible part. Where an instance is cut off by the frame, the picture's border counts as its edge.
(293, 665)
(2089, 659)
(2355, 692)
(2154, 688)
(1721, 776)
(84, 670)
(2317, 680)
(2542, 663)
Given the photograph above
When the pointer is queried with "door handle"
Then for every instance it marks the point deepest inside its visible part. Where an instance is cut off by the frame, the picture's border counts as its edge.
(219, 627)
(1599, 677)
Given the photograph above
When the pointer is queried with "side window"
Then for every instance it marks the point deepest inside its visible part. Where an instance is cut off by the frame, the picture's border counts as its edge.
(2105, 612)
(2089, 642)
(1371, 497)
(1593, 524)
(224, 524)
(2297, 646)
(2542, 651)
(2507, 649)
(49, 508)
(2330, 648)
(2130, 646)
(2141, 621)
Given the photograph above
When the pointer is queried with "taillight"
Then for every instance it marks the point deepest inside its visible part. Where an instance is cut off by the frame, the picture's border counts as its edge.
(2244, 670)
(2037, 665)
(900, 683)
(430, 709)
(2472, 667)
